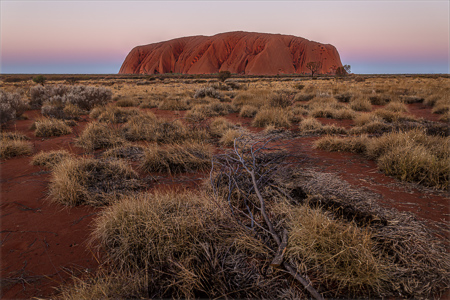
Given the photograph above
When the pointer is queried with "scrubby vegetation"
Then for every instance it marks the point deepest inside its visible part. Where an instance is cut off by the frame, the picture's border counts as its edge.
(51, 127)
(50, 159)
(93, 182)
(98, 135)
(11, 106)
(205, 190)
(14, 144)
(410, 156)
(85, 97)
(176, 158)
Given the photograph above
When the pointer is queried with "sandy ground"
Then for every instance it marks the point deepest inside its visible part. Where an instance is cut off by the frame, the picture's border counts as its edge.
(43, 244)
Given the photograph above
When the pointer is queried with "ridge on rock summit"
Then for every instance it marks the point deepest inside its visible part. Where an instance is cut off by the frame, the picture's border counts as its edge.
(238, 52)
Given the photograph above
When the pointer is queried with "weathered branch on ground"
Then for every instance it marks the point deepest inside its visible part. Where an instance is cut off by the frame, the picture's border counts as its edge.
(244, 171)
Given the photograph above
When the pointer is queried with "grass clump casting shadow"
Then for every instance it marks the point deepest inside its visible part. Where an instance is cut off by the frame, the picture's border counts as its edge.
(176, 158)
(99, 135)
(14, 144)
(92, 182)
(311, 126)
(112, 114)
(51, 127)
(404, 253)
(278, 117)
(186, 244)
(336, 252)
(50, 159)
(409, 156)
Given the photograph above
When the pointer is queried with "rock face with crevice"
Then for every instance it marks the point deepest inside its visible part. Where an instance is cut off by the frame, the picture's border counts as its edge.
(238, 52)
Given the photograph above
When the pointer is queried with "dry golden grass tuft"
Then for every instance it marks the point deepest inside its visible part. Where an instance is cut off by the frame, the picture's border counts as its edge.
(174, 104)
(140, 127)
(254, 97)
(127, 151)
(72, 111)
(51, 127)
(408, 156)
(176, 158)
(106, 285)
(337, 252)
(49, 159)
(99, 135)
(16, 136)
(337, 144)
(214, 109)
(303, 97)
(327, 107)
(278, 117)
(248, 111)
(396, 107)
(279, 100)
(391, 116)
(360, 104)
(92, 182)
(187, 246)
(112, 114)
(312, 126)
(149, 104)
(14, 144)
(229, 136)
(403, 252)
(219, 126)
(127, 102)
(379, 99)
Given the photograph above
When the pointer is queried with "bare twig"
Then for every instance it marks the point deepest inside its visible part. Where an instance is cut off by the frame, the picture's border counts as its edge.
(250, 166)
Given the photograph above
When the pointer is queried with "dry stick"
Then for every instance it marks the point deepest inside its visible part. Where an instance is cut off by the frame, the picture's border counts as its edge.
(306, 284)
(262, 209)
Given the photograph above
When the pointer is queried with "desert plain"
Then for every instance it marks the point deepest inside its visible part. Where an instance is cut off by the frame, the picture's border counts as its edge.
(152, 186)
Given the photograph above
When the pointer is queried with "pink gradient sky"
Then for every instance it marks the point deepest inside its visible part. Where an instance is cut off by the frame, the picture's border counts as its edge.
(95, 36)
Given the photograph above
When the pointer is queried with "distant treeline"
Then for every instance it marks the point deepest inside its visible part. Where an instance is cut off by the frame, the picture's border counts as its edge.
(71, 78)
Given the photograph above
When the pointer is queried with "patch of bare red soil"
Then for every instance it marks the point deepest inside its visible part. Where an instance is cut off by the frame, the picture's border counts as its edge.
(42, 243)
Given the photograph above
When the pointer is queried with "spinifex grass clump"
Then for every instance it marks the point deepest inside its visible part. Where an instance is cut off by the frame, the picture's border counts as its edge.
(92, 182)
(278, 117)
(248, 111)
(230, 136)
(219, 126)
(113, 114)
(147, 127)
(128, 151)
(14, 144)
(213, 109)
(334, 251)
(253, 97)
(51, 127)
(409, 156)
(50, 159)
(405, 251)
(313, 126)
(174, 104)
(327, 107)
(176, 158)
(99, 135)
(184, 246)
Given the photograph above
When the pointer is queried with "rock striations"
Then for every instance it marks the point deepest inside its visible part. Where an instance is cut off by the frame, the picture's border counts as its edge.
(238, 52)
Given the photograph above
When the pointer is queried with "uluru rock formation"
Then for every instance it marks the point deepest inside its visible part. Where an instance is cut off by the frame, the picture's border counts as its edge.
(238, 52)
